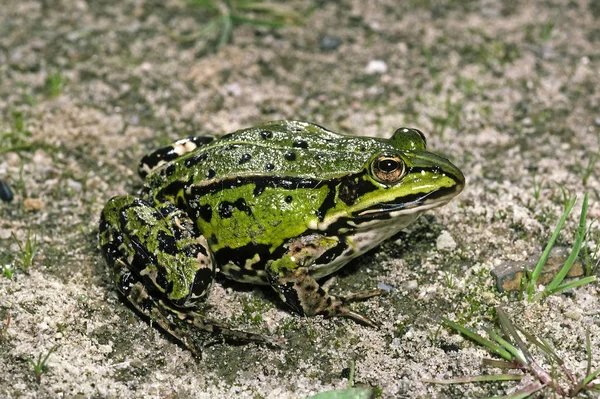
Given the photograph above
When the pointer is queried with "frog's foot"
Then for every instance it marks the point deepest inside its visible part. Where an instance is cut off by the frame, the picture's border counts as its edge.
(304, 294)
(162, 267)
(188, 326)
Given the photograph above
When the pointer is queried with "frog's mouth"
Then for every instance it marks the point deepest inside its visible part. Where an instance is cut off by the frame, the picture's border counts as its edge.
(413, 204)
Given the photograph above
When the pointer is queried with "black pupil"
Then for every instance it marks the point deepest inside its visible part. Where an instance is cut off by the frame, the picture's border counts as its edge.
(388, 165)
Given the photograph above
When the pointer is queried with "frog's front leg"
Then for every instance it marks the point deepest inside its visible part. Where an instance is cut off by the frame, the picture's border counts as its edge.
(291, 279)
(162, 267)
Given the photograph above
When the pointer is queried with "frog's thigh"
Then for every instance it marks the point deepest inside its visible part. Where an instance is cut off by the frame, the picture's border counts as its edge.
(157, 245)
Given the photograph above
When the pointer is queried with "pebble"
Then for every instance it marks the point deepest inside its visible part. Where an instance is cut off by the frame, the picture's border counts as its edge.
(33, 204)
(376, 66)
(445, 242)
(74, 185)
(329, 43)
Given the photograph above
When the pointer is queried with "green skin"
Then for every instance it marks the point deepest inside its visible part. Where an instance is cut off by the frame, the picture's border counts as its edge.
(284, 203)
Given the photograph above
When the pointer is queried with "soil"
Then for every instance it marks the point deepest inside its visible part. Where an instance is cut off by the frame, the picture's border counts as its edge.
(509, 91)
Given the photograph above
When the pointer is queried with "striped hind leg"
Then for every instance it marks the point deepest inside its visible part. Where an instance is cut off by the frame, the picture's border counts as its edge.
(162, 267)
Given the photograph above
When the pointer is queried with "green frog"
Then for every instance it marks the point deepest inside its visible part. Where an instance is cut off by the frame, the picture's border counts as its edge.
(284, 204)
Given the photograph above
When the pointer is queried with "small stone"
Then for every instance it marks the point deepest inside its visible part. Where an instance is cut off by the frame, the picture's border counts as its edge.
(33, 204)
(385, 287)
(445, 242)
(329, 43)
(509, 274)
(74, 185)
(234, 89)
(376, 66)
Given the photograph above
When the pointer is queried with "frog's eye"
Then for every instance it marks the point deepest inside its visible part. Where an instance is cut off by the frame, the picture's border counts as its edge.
(388, 168)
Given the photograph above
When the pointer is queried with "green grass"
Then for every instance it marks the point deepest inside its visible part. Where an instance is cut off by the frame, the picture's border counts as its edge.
(39, 366)
(349, 393)
(18, 138)
(557, 285)
(538, 186)
(229, 14)
(514, 350)
(54, 84)
(27, 251)
(7, 271)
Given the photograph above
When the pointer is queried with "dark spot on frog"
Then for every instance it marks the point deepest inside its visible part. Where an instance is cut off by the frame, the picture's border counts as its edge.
(166, 242)
(202, 280)
(210, 173)
(245, 158)
(195, 159)
(288, 199)
(205, 212)
(161, 281)
(231, 147)
(362, 149)
(332, 253)
(265, 134)
(269, 167)
(310, 287)
(226, 208)
(248, 271)
(170, 170)
(258, 190)
(353, 188)
(300, 144)
(235, 273)
(290, 156)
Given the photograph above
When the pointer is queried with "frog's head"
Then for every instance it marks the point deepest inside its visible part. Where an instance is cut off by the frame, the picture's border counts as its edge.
(400, 180)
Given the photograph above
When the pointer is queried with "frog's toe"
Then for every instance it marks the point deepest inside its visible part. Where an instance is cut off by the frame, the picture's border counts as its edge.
(337, 309)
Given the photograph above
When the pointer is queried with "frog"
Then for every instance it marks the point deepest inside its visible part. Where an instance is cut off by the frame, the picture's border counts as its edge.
(281, 204)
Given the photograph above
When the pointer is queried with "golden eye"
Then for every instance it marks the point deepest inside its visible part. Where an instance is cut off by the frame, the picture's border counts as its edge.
(388, 168)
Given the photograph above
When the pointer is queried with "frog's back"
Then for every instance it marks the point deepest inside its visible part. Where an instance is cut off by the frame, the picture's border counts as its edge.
(280, 149)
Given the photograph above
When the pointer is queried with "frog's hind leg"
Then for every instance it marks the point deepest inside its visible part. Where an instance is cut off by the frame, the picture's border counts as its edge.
(291, 279)
(162, 267)
(158, 158)
(190, 327)
(304, 294)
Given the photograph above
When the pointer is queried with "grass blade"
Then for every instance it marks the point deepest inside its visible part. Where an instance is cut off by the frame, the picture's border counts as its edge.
(510, 330)
(507, 345)
(501, 364)
(477, 378)
(575, 251)
(523, 393)
(540, 265)
(574, 284)
(479, 339)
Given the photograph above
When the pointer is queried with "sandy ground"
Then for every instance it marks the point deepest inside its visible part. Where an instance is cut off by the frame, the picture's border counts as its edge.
(509, 92)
